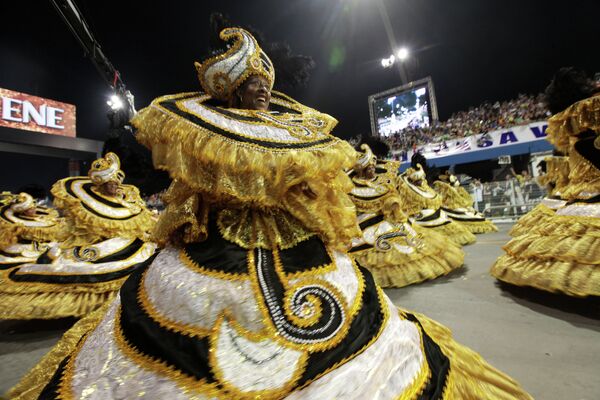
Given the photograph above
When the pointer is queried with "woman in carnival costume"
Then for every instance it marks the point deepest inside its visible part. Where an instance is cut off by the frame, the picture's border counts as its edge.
(26, 229)
(106, 239)
(457, 203)
(555, 177)
(254, 295)
(562, 252)
(423, 205)
(391, 248)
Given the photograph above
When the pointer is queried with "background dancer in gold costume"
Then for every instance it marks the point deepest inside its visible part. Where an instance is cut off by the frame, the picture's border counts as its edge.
(26, 229)
(555, 176)
(423, 205)
(457, 203)
(562, 253)
(106, 239)
(395, 251)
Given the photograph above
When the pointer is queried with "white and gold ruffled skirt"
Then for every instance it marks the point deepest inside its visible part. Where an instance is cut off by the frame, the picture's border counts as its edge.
(438, 221)
(559, 253)
(470, 219)
(213, 320)
(398, 254)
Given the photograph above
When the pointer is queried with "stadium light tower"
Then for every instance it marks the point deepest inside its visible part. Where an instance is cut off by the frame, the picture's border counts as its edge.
(403, 54)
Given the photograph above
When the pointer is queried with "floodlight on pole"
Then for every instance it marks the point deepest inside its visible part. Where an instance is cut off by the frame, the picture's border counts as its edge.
(403, 54)
(388, 62)
(115, 102)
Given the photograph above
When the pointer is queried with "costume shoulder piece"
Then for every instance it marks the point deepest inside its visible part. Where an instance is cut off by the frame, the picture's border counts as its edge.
(249, 155)
(259, 159)
(417, 197)
(451, 196)
(577, 118)
(123, 215)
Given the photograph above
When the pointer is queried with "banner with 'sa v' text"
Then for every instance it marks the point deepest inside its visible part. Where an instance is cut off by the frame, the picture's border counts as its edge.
(492, 140)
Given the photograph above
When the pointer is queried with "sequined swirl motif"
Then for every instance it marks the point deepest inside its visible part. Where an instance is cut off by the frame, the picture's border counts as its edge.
(315, 312)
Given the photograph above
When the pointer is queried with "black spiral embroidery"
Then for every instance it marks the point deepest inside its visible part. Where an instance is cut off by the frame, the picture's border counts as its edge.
(331, 314)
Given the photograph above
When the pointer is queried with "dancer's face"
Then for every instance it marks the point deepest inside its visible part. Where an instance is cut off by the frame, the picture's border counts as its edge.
(30, 212)
(110, 188)
(255, 93)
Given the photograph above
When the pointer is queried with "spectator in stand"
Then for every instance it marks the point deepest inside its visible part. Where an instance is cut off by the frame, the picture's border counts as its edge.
(484, 118)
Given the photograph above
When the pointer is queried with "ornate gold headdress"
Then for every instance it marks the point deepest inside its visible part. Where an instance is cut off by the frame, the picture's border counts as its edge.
(368, 158)
(22, 202)
(221, 75)
(106, 169)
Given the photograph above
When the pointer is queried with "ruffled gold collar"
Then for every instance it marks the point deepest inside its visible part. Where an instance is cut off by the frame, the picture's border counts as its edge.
(279, 161)
(577, 118)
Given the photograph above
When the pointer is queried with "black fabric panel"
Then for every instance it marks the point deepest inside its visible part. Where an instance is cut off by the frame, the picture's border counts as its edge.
(172, 107)
(432, 217)
(305, 256)
(68, 183)
(591, 200)
(123, 253)
(6, 254)
(370, 222)
(4, 267)
(366, 324)
(106, 216)
(87, 187)
(218, 254)
(50, 391)
(585, 147)
(44, 258)
(439, 365)
(361, 247)
(188, 355)
(449, 210)
(70, 279)
(3, 210)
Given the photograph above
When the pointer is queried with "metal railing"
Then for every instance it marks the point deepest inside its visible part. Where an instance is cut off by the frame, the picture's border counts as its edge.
(506, 200)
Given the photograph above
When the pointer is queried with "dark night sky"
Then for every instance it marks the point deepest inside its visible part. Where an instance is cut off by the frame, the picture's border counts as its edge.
(474, 50)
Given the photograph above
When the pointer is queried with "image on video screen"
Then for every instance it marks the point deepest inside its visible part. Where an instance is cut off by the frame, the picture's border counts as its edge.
(409, 109)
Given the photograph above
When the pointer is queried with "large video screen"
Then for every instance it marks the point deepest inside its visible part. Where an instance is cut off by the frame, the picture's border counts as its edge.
(409, 106)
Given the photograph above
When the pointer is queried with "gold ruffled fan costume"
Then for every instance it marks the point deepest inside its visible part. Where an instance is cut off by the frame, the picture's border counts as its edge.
(257, 298)
(556, 179)
(23, 238)
(105, 239)
(458, 205)
(561, 251)
(395, 251)
(423, 205)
